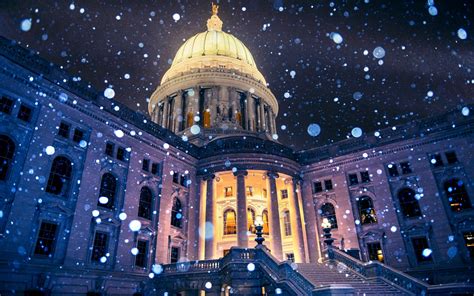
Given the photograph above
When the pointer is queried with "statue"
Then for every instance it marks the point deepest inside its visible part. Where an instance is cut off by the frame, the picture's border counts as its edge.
(215, 9)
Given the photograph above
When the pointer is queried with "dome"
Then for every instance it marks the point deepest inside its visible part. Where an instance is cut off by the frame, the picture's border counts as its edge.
(213, 49)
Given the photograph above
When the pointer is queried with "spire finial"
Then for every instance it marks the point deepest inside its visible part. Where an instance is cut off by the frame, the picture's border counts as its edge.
(214, 23)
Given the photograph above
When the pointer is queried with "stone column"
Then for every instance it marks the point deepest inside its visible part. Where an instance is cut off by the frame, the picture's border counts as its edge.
(193, 218)
(177, 113)
(242, 227)
(262, 116)
(164, 119)
(298, 241)
(209, 237)
(250, 112)
(274, 219)
(311, 224)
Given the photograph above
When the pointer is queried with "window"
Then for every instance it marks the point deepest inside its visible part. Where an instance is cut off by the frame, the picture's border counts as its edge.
(228, 191)
(109, 149)
(249, 191)
(264, 193)
(183, 180)
(146, 165)
(436, 160)
(266, 228)
(108, 188)
(328, 185)
(366, 210)
(78, 135)
(364, 177)
(230, 223)
(406, 168)
(287, 222)
(24, 113)
(422, 250)
(155, 168)
(317, 187)
(408, 203)
(290, 257)
(145, 205)
(353, 179)
(457, 195)
(6, 105)
(121, 153)
(141, 257)
(251, 220)
(328, 212)
(46, 239)
(284, 193)
(60, 176)
(63, 130)
(469, 241)
(451, 157)
(99, 248)
(7, 151)
(176, 213)
(375, 252)
(392, 170)
(174, 255)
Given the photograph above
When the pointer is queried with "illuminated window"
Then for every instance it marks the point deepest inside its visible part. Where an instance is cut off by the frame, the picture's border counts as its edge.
(328, 212)
(287, 222)
(375, 252)
(366, 210)
(469, 240)
(251, 220)
(266, 228)
(228, 191)
(249, 191)
(230, 224)
(457, 195)
(284, 193)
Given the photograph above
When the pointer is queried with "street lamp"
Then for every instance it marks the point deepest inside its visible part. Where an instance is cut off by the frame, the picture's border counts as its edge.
(258, 230)
(328, 240)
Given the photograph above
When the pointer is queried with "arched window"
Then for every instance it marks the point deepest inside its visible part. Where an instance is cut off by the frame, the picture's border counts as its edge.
(457, 195)
(408, 203)
(145, 206)
(251, 220)
(328, 212)
(366, 210)
(287, 222)
(7, 150)
(59, 176)
(176, 213)
(108, 188)
(230, 223)
(266, 228)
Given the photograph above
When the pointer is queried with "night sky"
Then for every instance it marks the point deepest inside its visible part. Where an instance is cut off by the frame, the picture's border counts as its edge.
(426, 70)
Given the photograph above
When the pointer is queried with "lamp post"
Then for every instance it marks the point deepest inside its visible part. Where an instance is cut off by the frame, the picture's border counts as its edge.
(328, 240)
(258, 231)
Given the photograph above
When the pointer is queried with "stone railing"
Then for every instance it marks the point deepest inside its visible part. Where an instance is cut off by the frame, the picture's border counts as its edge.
(193, 266)
(376, 269)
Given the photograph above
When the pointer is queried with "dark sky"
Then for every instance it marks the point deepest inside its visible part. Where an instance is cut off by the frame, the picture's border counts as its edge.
(427, 68)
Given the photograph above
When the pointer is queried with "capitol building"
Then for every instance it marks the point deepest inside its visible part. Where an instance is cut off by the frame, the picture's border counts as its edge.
(200, 198)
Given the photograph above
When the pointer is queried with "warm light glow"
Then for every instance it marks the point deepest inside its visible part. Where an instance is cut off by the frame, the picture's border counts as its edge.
(258, 220)
(326, 223)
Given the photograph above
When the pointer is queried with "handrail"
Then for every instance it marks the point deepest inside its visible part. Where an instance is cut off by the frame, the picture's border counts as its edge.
(376, 269)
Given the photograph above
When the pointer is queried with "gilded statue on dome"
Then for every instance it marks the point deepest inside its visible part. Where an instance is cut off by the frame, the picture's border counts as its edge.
(215, 9)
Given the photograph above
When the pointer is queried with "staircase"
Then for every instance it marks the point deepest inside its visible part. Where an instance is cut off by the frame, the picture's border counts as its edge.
(326, 274)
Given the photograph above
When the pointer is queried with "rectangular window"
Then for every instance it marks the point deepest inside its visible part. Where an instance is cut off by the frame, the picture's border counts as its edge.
(46, 239)
(6, 105)
(121, 153)
(353, 179)
(63, 130)
(392, 170)
(284, 193)
(78, 135)
(406, 168)
(174, 255)
(155, 168)
(422, 250)
(146, 165)
(375, 251)
(469, 241)
(109, 149)
(183, 180)
(141, 257)
(436, 160)
(249, 191)
(228, 191)
(365, 177)
(24, 113)
(317, 187)
(99, 249)
(451, 157)
(264, 193)
(290, 257)
(176, 177)
(328, 185)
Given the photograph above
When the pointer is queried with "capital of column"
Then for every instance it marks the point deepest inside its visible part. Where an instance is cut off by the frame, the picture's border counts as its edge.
(297, 180)
(241, 173)
(208, 177)
(273, 175)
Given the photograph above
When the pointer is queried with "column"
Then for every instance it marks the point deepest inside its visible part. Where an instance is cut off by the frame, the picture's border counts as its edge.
(298, 241)
(193, 218)
(209, 237)
(242, 227)
(311, 224)
(274, 219)
(178, 111)
(164, 119)
(262, 116)
(250, 112)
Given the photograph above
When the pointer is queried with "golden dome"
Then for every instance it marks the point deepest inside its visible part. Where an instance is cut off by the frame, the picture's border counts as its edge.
(213, 49)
